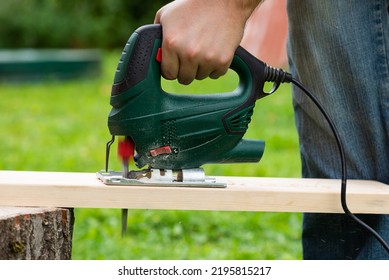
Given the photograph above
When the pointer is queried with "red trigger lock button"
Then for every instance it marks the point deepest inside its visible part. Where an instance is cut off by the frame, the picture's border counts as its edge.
(158, 57)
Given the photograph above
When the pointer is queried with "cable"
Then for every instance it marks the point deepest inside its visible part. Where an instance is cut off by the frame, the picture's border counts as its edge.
(279, 76)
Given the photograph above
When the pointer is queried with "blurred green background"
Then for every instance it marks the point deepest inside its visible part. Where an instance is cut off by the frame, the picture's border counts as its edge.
(59, 125)
(72, 24)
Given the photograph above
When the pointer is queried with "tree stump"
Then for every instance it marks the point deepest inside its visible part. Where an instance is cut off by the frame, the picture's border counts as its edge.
(36, 233)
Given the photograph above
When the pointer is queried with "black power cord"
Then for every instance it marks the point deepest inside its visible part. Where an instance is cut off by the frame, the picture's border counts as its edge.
(279, 76)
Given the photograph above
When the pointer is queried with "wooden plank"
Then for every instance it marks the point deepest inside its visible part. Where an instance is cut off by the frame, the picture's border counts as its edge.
(84, 190)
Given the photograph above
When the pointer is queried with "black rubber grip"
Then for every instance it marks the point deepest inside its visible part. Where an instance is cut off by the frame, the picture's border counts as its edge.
(138, 60)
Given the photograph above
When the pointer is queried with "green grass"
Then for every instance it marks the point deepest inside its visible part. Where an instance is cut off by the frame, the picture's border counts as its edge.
(62, 126)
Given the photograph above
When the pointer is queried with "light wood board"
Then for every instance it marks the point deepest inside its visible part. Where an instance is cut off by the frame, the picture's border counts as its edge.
(84, 190)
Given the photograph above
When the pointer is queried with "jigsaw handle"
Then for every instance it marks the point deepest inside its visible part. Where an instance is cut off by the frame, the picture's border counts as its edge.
(140, 49)
(251, 72)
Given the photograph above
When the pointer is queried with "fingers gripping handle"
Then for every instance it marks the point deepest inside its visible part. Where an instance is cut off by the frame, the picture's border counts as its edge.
(138, 53)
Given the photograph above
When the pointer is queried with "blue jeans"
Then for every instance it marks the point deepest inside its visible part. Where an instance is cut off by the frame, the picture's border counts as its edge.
(340, 50)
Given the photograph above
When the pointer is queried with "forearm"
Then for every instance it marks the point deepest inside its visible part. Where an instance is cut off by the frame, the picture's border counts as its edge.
(246, 6)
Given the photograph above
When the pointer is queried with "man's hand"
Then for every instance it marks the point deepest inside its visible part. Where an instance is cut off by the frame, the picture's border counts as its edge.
(200, 36)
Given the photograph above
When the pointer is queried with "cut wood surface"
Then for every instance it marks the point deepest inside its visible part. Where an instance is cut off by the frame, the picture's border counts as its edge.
(35, 233)
(84, 190)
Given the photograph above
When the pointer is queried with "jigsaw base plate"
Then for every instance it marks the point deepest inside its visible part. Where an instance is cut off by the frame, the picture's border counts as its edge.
(116, 178)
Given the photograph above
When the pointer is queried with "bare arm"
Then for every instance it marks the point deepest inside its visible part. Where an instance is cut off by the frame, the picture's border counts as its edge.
(201, 36)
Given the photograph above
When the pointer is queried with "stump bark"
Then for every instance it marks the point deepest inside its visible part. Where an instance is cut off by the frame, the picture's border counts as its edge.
(36, 233)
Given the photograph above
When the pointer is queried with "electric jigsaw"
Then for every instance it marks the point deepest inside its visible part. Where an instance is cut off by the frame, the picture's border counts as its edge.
(170, 135)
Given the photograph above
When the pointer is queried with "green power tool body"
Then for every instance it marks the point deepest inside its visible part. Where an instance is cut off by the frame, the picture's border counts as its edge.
(173, 135)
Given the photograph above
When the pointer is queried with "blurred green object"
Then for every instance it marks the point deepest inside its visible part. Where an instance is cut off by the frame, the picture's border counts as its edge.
(48, 64)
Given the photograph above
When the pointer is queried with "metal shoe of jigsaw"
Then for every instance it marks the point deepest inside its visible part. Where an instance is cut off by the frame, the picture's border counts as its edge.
(173, 135)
